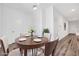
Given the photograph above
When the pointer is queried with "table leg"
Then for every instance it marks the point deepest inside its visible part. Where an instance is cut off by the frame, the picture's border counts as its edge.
(32, 52)
(21, 51)
(25, 52)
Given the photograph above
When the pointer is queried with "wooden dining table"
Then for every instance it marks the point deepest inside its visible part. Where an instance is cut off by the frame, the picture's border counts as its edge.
(29, 43)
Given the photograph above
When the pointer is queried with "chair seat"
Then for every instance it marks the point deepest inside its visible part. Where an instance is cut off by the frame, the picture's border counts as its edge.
(1, 52)
(15, 52)
(40, 52)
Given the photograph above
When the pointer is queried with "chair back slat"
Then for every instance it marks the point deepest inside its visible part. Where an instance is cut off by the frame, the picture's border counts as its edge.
(50, 47)
(2, 49)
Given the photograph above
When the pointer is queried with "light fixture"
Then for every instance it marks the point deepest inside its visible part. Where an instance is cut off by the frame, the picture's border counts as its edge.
(73, 10)
(34, 7)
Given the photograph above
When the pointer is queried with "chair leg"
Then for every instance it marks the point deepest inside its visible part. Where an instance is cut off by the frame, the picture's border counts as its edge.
(21, 51)
(25, 52)
(34, 52)
(53, 53)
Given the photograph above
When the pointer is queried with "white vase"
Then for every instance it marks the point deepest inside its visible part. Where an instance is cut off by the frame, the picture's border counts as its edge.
(47, 35)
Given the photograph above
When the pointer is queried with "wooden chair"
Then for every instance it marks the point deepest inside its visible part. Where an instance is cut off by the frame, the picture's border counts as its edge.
(2, 49)
(49, 48)
(13, 49)
(10, 47)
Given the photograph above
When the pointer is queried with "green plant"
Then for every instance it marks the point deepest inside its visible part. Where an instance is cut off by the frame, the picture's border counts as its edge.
(31, 31)
(46, 30)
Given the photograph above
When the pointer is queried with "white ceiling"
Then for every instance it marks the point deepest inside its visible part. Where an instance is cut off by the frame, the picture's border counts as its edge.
(26, 7)
(63, 8)
(66, 10)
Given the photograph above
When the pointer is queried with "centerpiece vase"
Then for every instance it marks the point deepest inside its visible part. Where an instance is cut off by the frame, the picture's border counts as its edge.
(32, 36)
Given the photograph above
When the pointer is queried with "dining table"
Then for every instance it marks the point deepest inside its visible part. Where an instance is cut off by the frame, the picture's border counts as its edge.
(28, 42)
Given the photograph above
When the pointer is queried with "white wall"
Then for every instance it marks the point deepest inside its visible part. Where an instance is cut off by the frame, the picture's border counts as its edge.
(37, 21)
(74, 26)
(47, 20)
(59, 21)
(50, 21)
(43, 18)
(14, 22)
(54, 20)
(1, 19)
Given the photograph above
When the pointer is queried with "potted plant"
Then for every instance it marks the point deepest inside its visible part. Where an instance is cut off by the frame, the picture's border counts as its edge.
(31, 31)
(46, 33)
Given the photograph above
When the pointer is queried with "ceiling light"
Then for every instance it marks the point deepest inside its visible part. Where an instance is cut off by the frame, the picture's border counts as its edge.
(34, 7)
(73, 9)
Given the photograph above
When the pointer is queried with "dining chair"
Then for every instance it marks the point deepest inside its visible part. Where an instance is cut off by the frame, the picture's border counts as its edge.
(9, 49)
(49, 48)
(5, 42)
(2, 49)
(13, 50)
(12, 47)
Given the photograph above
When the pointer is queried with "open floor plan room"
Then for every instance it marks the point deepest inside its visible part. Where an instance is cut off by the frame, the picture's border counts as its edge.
(39, 29)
